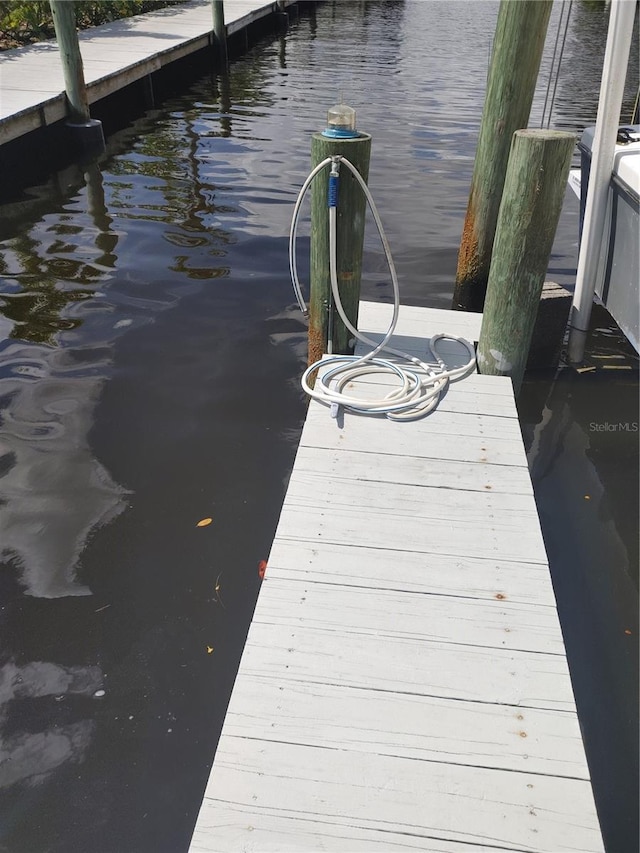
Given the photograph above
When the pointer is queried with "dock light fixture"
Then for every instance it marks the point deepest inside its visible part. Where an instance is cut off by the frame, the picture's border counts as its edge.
(341, 123)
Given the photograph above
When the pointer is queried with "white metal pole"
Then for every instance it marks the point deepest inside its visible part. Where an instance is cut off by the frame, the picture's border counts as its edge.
(614, 72)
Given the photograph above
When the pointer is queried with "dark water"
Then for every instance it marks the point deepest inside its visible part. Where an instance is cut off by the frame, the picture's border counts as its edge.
(149, 370)
(581, 433)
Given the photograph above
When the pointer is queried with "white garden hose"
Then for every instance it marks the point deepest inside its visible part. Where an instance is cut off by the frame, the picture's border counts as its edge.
(420, 383)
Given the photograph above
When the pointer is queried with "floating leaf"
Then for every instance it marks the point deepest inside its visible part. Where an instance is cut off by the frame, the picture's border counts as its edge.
(587, 497)
(204, 522)
(262, 568)
(217, 591)
(627, 631)
(209, 650)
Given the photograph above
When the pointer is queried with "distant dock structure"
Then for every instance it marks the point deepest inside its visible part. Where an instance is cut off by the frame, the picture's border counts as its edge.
(404, 684)
(114, 56)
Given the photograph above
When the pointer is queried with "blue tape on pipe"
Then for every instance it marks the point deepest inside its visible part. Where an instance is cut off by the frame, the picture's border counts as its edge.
(333, 190)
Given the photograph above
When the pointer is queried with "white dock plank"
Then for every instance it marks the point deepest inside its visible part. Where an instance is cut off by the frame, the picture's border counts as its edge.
(379, 568)
(412, 518)
(418, 322)
(325, 788)
(447, 670)
(464, 437)
(404, 684)
(469, 733)
(389, 613)
(390, 468)
(302, 834)
(467, 400)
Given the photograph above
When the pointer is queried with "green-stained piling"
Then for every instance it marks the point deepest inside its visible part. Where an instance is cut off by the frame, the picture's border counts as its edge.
(64, 22)
(87, 132)
(517, 50)
(350, 240)
(534, 190)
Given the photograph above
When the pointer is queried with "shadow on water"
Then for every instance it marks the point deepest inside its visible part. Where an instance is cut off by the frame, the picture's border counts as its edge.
(149, 370)
(581, 430)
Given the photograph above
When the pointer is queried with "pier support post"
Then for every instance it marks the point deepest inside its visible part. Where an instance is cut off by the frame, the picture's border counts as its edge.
(283, 14)
(350, 240)
(219, 31)
(517, 50)
(614, 72)
(87, 131)
(534, 190)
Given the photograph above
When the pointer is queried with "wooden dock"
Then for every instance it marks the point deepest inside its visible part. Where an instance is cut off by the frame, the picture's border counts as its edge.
(404, 684)
(114, 55)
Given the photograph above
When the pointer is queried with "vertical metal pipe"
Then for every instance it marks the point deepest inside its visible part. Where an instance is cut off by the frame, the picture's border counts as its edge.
(614, 71)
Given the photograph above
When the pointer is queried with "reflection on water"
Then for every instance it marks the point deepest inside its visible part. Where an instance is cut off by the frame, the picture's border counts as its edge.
(53, 490)
(147, 379)
(149, 372)
(29, 757)
(55, 493)
(577, 100)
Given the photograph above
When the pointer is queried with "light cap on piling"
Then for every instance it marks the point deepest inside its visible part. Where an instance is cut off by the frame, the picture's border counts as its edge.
(341, 122)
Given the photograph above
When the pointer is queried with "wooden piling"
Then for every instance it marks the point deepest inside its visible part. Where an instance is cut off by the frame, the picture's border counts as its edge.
(519, 39)
(87, 132)
(532, 199)
(350, 239)
(64, 22)
(219, 31)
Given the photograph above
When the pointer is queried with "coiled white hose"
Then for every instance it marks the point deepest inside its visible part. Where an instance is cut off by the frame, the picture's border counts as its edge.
(421, 383)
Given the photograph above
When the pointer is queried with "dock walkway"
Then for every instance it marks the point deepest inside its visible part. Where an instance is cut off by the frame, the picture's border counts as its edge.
(404, 684)
(113, 55)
